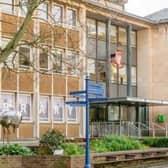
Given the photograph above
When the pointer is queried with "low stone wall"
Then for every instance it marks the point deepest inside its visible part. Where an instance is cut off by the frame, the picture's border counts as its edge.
(128, 159)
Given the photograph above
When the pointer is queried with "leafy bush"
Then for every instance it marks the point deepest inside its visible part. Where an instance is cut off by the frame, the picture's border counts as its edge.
(115, 143)
(155, 142)
(72, 149)
(50, 141)
(14, 149)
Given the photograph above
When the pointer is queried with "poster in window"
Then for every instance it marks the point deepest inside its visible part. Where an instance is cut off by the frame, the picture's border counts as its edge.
(43, 108)
(24, 106)
(58, 105)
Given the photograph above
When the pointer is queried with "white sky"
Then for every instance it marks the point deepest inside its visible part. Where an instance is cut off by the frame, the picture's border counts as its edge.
(145, 7)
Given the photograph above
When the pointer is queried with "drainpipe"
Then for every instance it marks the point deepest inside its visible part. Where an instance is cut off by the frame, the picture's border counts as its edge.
(129, 55)
(108, 24)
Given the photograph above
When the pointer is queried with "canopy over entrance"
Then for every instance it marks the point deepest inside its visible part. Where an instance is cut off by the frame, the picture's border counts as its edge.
(133, 101)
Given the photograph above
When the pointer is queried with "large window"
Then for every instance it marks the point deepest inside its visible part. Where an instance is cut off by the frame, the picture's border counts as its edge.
(71, 17)
(8, 101)
(44, 108)
(7, 6)
(57, 14)
(58, 109)
(25, 106)
(43, 11)
(24, 57)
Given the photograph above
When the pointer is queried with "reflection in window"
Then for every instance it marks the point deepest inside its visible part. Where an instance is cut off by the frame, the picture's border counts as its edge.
(43, 60)
(113, 113)
(91, 48)
(71, 17)
(7, 6)
(25, 106)
(43, 11)
(101, 68)
(91, 27)
(72, 113)
(122, 75)
(24, 56)
(101, 30)
(8, 101)
(91, 68)
(57, 14)
(44, 100)
(113, 34)
(23, 7)
(133, 75)
(122, 36)
(72, 62)
(133, 38)
(57, 60)
(58, 109)
(101, 54)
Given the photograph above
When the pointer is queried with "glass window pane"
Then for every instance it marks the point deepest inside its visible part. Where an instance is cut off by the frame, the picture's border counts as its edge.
(122, 36)
(123, 75)
(57, 14)
(43, 60)
(7, 6)
(113, 113)
(101, 50)
(8, 101)
(71, 17)
(113, 73)
(113, 90)
(134, 56)
(101, 30)
(133, 75)
(91, 68)
(133, 38)
(58, 109)
(43, 11)
(113, 34)
(122, 90)
(25, 106)
(57, 60)
(72, 113)
(101, 68)
(91, 28)
(44, 100)
(23, 7)
(113, 47)
(24, 57)
(91, 48)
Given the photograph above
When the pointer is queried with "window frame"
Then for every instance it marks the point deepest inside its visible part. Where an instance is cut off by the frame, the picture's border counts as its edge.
(11, 11)
(41, 12)
(72, 9)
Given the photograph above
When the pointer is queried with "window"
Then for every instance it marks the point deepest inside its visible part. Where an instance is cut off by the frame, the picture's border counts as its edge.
(25, 106)
(71, 17)
(101, 30)
(72, 113)
(58, 109)
(133, 75)
(44, 60)
(7, 6)
(72, 62)
(23, 7)
(91, 68)
(101, 68)
(44, 104)
(91, 28)
(57, 14)
(24, 57)
(57, 60)
(122, 75)
(122, 36)
(8, 101)
(43, 11)
(91, 47)
(113, 112)
(113, 34)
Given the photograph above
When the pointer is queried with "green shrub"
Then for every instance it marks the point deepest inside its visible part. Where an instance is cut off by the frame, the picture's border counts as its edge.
(155, 142)
(115, 143)
(14, 149)
(72, 149)
(50, 141)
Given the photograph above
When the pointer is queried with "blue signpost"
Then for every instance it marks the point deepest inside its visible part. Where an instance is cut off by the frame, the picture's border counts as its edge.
(93, 92)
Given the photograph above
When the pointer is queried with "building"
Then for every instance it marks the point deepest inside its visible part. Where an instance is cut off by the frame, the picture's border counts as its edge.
(83, 35)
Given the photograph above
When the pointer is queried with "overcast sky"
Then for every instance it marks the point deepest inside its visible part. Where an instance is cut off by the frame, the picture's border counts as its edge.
(145, 7)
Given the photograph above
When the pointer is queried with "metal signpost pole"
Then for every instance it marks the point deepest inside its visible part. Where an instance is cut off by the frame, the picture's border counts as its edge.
(87, 148)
